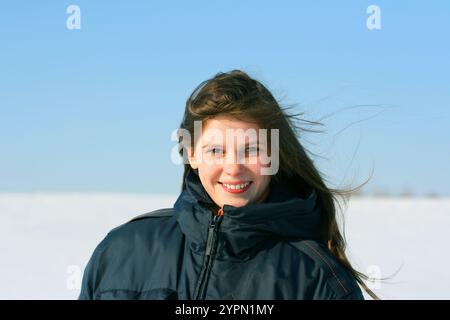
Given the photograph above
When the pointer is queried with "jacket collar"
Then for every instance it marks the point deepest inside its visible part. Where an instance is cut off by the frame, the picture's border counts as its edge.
(283, 215)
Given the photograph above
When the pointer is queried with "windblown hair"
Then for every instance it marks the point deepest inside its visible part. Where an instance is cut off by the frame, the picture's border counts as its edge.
(237, 95)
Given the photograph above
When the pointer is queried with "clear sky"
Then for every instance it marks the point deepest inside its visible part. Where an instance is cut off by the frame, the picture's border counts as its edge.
(92, 110)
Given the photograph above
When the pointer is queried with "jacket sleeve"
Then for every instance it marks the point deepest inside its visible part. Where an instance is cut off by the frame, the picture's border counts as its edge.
(356, 294)
(90, 276)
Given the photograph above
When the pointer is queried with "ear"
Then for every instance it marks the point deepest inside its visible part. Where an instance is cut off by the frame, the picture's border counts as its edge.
(192, 159)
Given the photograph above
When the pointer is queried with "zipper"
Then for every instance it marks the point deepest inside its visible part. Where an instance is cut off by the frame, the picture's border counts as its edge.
(211, 246)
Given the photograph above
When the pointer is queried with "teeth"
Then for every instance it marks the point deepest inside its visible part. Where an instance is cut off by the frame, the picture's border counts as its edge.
(236, 186)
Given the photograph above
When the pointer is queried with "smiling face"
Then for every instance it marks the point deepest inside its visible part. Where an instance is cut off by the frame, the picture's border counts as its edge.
(227, 157)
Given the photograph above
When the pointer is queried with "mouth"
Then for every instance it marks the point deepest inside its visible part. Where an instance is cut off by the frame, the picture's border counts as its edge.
(236, 187)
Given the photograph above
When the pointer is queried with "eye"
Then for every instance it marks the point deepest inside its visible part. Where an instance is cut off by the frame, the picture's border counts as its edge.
(252, 150)
(215, 151)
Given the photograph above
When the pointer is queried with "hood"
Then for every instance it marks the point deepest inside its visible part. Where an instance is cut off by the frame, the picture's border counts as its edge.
(284, 215)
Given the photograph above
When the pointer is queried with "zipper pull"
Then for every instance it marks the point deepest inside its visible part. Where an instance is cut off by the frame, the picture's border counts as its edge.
(210, 238)
(211, 235)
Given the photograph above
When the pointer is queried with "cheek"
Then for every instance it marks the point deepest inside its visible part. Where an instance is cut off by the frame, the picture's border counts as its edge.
(255, 169)
(262, 180)
(256, 164)
(210, 173)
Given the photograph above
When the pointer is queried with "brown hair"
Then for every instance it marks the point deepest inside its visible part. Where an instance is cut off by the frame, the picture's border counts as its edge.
(236, 94)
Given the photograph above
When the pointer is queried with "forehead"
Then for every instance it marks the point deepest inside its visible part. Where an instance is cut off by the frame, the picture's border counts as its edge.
(219, 125)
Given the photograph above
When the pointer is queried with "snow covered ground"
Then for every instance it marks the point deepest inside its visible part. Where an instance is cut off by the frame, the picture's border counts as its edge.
(403, 235)
(47, 239)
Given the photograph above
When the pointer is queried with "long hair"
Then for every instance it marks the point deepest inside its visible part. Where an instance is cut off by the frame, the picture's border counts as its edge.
(237, 95)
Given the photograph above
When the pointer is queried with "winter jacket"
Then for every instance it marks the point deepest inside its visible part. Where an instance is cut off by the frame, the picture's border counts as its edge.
(269, 250)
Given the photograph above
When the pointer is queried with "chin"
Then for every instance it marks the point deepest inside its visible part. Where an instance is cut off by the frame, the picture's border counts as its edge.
(238, 203)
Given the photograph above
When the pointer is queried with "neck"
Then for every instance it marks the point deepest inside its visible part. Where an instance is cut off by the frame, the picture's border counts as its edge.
(263, 196)
(261, 199)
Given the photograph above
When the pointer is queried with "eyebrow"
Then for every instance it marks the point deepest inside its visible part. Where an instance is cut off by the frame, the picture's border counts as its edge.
(211, 145)
(220, 145)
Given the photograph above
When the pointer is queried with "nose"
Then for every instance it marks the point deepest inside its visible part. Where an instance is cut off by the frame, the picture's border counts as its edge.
(233, 169)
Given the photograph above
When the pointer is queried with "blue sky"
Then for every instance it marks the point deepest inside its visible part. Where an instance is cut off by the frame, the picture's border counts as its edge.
(92, 110)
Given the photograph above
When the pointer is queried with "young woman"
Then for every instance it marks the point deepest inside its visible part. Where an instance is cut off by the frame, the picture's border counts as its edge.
(254, 219)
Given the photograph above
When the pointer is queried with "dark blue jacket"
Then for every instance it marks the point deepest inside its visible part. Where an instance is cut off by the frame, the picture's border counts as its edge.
(269, 250)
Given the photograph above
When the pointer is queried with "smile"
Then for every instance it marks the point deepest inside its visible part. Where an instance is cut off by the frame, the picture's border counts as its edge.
(236, 187)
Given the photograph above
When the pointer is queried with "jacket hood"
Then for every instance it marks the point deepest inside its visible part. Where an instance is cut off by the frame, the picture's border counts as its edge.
(284, 215)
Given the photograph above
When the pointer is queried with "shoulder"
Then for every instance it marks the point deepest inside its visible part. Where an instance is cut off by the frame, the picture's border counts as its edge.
(336, 281)
(146, 228)
(122, 247)
(153, 219)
